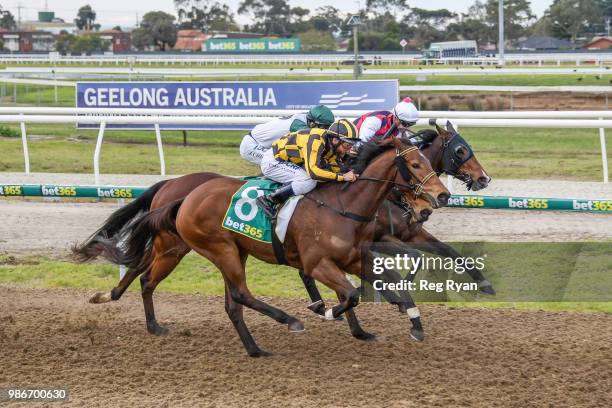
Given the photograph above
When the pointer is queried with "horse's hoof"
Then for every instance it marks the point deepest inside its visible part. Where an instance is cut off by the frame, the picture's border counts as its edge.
(100, 298)
(296, 327)
(259, 353)
(365, 336)
(157, 330)
(488, 290)
(417, 335)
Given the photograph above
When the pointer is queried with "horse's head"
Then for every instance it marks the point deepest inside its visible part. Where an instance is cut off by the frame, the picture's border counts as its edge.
(415, 177)
(458, 159)
(416, 208)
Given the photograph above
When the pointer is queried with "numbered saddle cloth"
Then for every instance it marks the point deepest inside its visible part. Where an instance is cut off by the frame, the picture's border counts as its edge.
(245, 217)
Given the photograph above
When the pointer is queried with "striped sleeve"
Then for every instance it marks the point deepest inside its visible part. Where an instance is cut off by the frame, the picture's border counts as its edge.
(312, 162)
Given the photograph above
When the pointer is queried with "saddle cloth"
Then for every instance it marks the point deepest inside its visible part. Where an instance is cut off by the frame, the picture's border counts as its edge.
(243, 216)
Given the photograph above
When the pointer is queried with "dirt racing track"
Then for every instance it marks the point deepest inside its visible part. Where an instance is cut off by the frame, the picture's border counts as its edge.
(471, 357)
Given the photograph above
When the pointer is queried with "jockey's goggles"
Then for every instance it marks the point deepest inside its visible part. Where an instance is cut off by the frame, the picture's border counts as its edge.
(407, 123)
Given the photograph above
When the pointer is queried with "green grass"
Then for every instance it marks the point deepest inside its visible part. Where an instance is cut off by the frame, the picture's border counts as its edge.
(568, 154)
(44, 95)
(196, 275)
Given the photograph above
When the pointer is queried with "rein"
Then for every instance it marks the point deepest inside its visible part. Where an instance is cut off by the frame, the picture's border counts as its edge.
(416, 189)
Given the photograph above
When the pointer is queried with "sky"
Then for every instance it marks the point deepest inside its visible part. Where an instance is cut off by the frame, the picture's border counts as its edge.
(124, 13)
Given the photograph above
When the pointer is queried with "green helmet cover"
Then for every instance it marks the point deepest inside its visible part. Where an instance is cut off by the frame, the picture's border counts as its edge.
(320, 114)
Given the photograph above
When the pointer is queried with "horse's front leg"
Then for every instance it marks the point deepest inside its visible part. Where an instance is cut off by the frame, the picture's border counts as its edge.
(425, 241)
(328, 273)
(405, 301)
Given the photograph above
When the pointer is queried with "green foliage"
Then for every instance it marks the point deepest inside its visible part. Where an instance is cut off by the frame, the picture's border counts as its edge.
(86, 18)
(7, 20)
(316, 41)
(156, 29)
(80, 44)
(571, 18)
(7, 131)
(205, 15)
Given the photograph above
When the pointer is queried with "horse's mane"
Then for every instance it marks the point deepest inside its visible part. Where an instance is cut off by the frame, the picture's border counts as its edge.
(366, 153)
(424, 138)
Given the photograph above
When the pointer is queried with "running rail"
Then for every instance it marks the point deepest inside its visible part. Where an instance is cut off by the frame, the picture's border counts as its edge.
(462, 201)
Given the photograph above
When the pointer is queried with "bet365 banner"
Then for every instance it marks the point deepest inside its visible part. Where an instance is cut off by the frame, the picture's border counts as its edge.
(252, 95)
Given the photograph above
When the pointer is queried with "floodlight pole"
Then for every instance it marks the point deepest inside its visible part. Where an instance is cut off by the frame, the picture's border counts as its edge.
(501, 32)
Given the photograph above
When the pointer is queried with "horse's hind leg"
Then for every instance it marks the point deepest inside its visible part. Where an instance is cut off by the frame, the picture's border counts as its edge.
(167, 253)
(117, 291)
(234, 311)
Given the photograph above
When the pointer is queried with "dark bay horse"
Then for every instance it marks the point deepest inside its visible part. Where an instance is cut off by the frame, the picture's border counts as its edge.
(392, 225)
(320, 240)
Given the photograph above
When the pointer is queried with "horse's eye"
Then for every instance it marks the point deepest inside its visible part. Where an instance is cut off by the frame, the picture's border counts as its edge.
(460, 151)
(416, 166)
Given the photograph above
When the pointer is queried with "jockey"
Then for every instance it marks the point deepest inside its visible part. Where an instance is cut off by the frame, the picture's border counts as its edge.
(302, 158)
(379, 123)
(260, 139)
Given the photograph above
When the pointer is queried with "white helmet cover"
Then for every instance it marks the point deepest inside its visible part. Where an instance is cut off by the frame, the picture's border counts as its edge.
(406, 111)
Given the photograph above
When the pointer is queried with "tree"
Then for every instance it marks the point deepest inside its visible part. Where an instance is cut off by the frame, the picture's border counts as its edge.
(317, 41)
(142, 39)
(205, 15)
(86, 18)
(517, 17)
(117, 28)
(7, 21)
(328, 18)
(87, 44)
(156, 29)
(268, 16)
(80, 44)
(570, 18)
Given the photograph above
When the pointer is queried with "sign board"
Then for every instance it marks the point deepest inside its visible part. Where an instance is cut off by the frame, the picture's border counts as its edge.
(403, 43)
(367, 95)
(252, 45)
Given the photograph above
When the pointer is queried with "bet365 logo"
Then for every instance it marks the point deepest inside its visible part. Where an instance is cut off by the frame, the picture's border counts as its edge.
(10, 190)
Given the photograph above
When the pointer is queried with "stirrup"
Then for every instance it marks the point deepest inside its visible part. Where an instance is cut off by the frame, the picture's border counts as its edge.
(267, 206)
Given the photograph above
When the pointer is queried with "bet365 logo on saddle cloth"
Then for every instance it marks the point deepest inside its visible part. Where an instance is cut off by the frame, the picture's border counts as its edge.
(244, 216)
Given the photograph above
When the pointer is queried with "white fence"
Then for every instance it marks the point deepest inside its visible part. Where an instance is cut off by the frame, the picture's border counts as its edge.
(410, 58)
(522, 119)
(68, 72)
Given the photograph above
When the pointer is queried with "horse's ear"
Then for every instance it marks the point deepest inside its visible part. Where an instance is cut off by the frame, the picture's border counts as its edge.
(450, 128)
(441, 130)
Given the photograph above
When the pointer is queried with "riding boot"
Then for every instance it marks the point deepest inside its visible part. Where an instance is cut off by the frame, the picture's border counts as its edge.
(270, 202)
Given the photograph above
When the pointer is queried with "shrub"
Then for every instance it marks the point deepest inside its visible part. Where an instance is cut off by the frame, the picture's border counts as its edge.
(495, 103)
(443, 103)
(8, 131)
(474, 103)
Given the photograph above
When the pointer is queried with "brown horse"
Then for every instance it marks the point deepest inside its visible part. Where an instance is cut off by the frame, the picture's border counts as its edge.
(326, 244)
(392, 223)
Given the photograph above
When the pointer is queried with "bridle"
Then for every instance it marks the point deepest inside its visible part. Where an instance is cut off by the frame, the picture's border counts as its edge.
(451, 164)
(416, 188)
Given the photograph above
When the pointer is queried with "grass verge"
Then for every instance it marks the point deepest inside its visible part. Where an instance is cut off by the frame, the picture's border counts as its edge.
(196, 275)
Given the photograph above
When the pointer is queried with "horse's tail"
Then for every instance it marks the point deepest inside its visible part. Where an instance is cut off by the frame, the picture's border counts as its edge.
(103, 242)
(138, 244)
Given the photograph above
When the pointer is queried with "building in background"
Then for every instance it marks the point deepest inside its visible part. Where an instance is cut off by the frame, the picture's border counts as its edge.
(49, 23)
(120, 41)
(599, 43)
(190, 40)
(28, 41)
(543, 43)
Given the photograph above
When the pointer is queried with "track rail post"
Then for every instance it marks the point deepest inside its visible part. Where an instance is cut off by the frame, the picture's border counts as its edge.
(160, 148)
(97, 153)
(24, 143)
(604, 153)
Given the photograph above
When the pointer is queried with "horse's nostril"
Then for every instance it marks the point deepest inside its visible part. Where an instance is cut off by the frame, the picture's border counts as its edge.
(483, 180)
(443, 199)
(425, 214)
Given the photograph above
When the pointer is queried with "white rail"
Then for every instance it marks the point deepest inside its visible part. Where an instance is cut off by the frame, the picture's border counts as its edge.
(462, 119)
(257, 72)
(595, 114)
